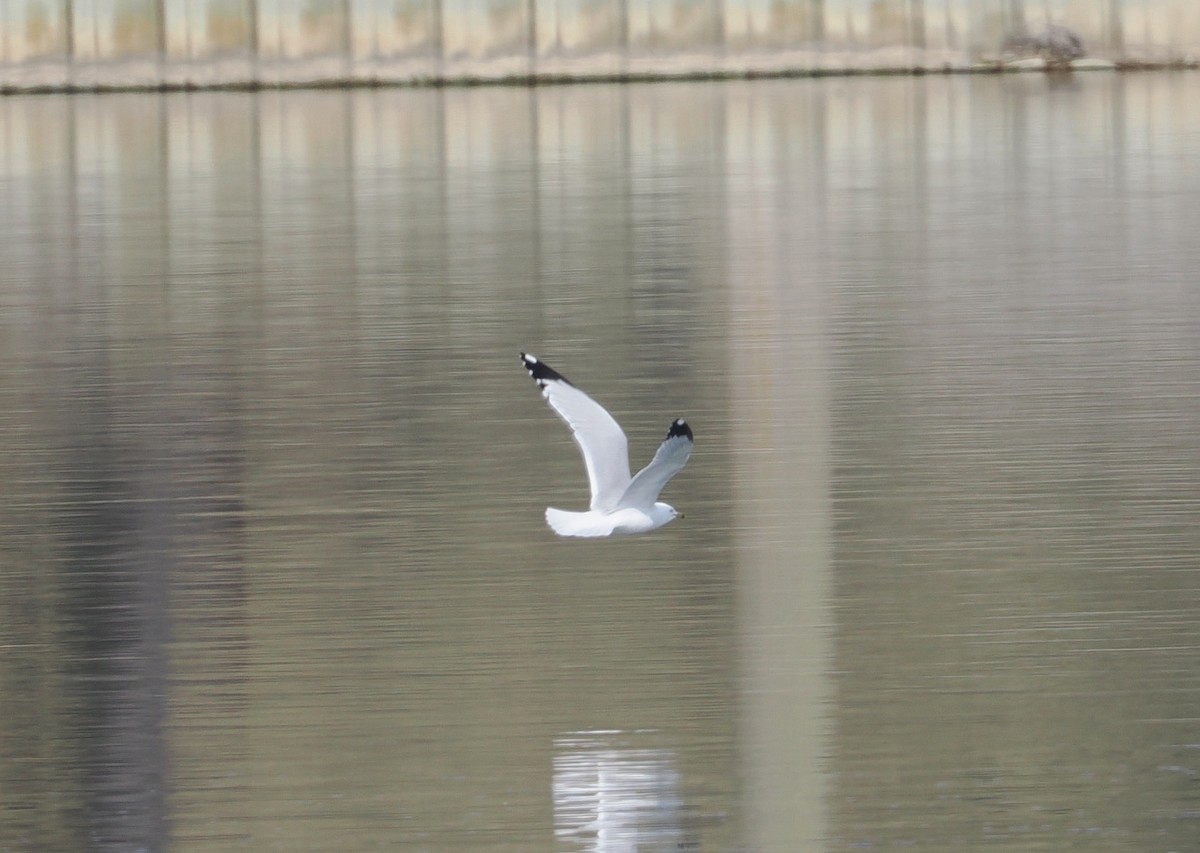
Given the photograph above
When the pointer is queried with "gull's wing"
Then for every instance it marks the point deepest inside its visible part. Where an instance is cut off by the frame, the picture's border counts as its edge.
(672, 455)
(605, 450)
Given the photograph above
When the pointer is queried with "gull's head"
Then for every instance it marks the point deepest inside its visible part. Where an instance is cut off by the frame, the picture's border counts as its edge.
(664, 514)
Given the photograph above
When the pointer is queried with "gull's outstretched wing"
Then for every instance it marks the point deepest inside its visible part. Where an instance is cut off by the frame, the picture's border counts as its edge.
(672, 455)
(605, 450)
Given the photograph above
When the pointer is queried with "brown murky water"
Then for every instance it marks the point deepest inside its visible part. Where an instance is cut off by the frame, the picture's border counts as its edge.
(273, 572)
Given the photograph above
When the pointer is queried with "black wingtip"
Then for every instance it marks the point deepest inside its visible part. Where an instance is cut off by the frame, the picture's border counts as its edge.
(540, 371)
(678, 428)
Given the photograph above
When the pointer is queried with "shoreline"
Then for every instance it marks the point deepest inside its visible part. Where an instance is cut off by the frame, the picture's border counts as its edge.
(563, 78)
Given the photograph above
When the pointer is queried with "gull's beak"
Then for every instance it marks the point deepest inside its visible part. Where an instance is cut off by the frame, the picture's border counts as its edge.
(679, 515)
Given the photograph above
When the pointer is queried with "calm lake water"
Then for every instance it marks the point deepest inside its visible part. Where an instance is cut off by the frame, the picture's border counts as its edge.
(273, 569)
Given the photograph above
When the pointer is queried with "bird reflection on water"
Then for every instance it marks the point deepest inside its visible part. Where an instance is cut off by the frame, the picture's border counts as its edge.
(612, 796)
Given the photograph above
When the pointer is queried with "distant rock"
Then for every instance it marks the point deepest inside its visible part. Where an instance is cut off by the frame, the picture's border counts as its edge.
(1056, 44)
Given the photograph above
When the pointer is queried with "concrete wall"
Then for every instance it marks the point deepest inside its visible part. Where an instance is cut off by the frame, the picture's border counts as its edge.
(129, 43)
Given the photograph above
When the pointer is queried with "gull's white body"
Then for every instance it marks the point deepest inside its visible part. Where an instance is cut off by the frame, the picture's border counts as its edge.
(619, 522)
(621, 505)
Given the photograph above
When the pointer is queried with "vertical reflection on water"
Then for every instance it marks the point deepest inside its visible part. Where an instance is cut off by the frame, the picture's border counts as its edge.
(611, 796)
(114, 574)
(216, 316)
(34, 709)
(111, 481)
(779, 337)
(126, 458)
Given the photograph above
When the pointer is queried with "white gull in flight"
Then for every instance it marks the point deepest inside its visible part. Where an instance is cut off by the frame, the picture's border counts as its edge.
(621, 505)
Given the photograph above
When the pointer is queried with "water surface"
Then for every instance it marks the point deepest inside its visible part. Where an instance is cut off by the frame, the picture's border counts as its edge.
(274, 574)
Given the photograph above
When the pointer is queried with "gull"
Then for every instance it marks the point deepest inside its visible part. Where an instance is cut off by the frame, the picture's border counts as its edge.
(621, 505)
